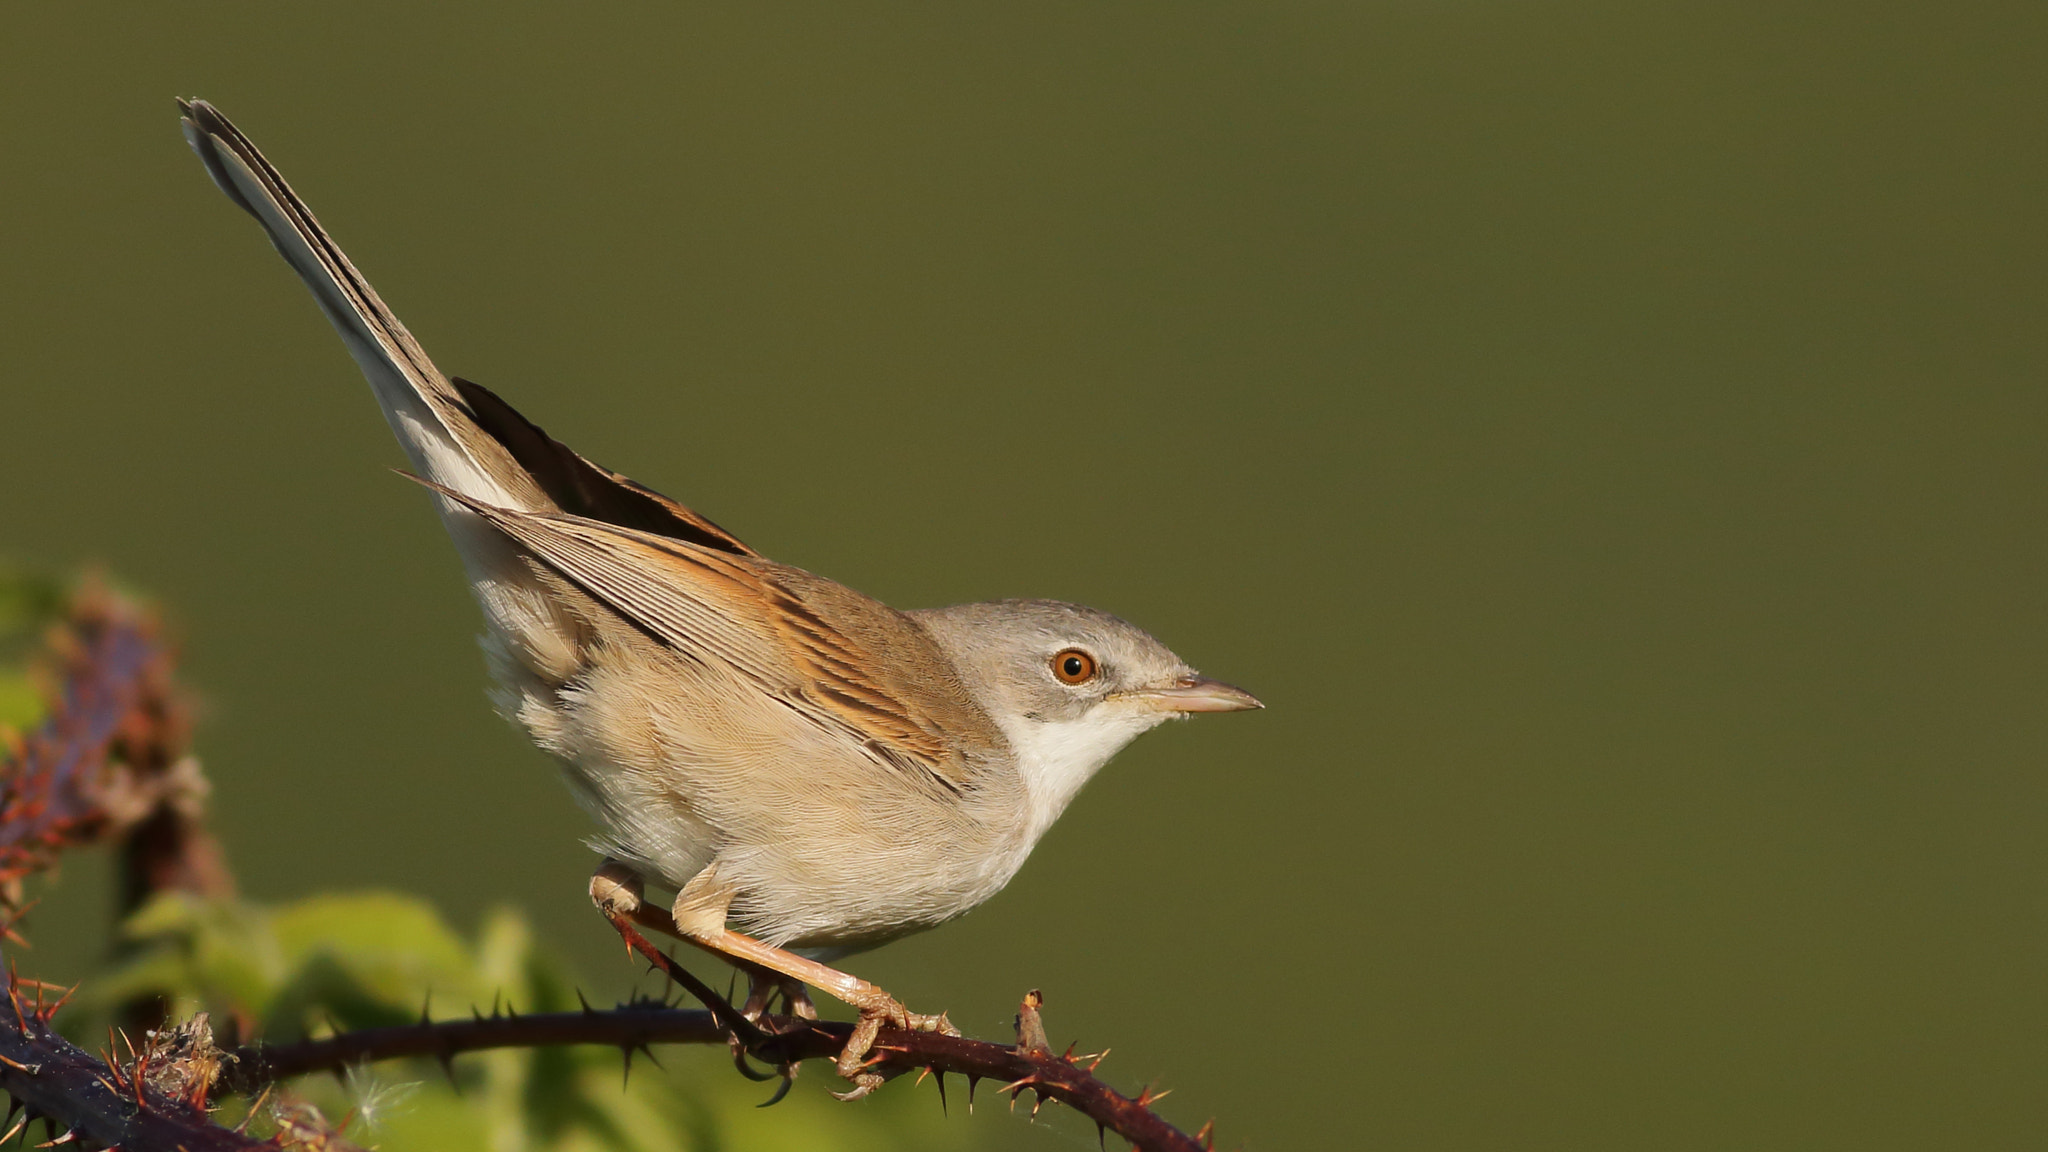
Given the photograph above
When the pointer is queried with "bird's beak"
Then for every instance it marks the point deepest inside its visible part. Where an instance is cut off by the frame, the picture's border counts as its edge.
(1195, 694)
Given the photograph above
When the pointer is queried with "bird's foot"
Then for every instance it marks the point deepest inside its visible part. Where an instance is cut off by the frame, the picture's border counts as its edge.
(876, 1012)
(939, 1024)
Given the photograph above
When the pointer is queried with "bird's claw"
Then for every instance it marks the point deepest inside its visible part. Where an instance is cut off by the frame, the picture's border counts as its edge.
(854, 1063)
(863, 1084)
(746, 1067)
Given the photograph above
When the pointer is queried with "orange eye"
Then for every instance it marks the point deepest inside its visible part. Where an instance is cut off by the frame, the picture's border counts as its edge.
(1073, 666)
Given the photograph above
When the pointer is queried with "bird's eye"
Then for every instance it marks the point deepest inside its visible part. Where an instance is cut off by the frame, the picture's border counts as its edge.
(1073, 666)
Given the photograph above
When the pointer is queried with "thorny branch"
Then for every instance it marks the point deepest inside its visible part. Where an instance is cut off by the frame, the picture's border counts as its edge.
(1030, 1065)
(96, 1101)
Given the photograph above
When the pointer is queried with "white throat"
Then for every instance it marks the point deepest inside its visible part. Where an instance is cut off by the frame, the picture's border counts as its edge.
(1056, 757)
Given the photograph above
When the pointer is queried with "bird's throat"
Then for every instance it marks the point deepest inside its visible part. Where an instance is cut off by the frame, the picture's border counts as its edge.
(1055, 758)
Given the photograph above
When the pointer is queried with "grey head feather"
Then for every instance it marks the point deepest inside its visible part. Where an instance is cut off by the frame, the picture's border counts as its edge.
(1005, 650)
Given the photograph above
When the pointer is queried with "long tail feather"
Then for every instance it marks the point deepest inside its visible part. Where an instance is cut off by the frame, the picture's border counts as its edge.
(424, 410)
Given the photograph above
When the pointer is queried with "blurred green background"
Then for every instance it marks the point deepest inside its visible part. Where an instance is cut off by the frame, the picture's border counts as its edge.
(1608, 436)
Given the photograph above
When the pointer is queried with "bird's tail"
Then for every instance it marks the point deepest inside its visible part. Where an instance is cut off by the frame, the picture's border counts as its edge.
(425, 409)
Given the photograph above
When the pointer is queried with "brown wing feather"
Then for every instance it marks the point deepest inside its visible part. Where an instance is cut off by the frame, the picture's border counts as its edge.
(582, 488)
(877, 668)
(841, 658)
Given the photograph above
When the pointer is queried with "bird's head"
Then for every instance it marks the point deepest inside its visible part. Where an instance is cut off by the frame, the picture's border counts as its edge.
(1069, 686)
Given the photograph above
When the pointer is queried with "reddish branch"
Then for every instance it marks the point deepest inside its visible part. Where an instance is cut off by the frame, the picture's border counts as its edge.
(96, 1102)
(1028, 1065)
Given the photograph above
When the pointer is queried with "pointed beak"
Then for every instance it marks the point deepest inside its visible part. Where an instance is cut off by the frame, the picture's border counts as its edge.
(1196, 694)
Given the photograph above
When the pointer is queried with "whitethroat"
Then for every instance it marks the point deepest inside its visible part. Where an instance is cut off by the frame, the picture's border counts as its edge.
(812, 771)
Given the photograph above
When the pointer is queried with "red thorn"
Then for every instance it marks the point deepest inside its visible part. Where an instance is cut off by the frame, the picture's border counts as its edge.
(61, 1001)
(107, 1058)
(1207, 1136)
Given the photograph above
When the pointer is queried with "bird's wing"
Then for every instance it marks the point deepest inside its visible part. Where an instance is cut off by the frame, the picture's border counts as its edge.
(811, 644)
(456, 433)
(582, 488)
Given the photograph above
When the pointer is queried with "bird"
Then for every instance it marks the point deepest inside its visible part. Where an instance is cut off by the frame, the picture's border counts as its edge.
(812, 772)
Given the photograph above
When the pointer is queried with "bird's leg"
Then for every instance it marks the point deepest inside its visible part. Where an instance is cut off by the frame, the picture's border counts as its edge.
(699, 919)
(699, 914)
(762, 986)
(797, 999)
(617, 891)
(759, 991)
